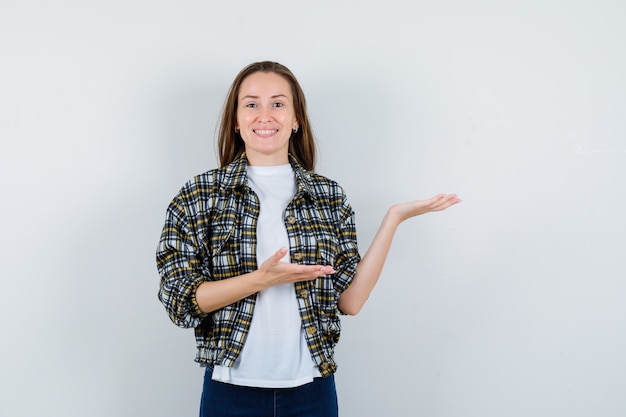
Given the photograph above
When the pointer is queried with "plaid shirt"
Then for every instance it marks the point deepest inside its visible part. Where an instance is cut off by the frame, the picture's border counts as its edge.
(209, 235)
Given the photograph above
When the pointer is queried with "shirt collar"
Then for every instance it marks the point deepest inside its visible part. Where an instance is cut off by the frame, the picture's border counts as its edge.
(237, 175)
(303, 179)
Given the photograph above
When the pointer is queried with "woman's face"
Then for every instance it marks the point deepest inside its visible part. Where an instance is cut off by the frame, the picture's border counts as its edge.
(266, 118)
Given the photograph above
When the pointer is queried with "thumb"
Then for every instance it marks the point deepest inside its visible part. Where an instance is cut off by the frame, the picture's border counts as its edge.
(280, 254)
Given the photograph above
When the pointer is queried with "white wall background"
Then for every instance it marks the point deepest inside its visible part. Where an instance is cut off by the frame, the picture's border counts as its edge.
(510, 304)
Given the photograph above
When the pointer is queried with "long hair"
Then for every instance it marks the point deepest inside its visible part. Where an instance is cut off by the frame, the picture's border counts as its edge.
(301, 144)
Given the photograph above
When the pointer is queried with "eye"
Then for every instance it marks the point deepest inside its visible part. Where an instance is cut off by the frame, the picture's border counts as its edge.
(251, 105)
(278, 104)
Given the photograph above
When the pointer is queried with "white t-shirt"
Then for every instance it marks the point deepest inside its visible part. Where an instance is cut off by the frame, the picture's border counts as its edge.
(275, 354)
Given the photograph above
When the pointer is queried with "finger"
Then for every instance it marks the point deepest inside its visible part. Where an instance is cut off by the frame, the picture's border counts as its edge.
(446, 202)
(312, 270)
(436, 203)
(445, 197)
(327, 270)
(437, 200)
(276, 257)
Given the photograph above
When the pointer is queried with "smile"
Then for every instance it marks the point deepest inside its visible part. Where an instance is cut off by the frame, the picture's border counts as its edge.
(265, 132)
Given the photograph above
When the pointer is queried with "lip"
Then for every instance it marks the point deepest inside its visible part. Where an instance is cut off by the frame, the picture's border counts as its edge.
(265, 133)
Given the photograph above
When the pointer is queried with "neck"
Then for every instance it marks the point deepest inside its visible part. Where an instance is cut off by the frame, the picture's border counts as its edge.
(261, 160)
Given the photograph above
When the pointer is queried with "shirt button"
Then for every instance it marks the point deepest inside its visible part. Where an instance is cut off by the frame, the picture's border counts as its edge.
(304, 293)
(297, 256)
(312, 330)
(291, 219)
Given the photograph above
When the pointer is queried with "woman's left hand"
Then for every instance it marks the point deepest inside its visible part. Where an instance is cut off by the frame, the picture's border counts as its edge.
(410, 209)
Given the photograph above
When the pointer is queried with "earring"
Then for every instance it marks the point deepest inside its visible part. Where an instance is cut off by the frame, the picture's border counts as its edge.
(295, 130)
(236, 130)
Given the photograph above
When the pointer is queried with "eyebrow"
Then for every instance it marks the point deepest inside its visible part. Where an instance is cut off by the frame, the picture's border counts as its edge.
(256, 97)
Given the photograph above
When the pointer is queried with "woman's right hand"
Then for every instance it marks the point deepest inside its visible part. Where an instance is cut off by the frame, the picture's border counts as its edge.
(274, 271)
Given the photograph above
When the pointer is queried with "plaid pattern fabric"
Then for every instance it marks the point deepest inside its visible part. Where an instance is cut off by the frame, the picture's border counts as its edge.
(209, 234)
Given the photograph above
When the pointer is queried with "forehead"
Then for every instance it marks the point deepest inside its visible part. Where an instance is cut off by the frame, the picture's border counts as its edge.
(264, 84)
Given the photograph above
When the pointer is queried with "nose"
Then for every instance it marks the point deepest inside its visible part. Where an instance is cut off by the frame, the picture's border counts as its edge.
(264, 115)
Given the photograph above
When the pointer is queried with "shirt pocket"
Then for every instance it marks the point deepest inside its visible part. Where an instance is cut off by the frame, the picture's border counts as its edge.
(327, 248)
(225, 252)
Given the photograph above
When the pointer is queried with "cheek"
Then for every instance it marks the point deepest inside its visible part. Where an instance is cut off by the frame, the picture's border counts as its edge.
(287, 119)
(242, 118)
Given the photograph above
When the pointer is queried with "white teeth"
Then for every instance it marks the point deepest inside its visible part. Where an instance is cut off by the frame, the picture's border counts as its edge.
(265, 132)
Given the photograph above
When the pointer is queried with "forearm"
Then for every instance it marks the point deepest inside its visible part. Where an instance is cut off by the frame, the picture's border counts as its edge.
(370, 267)
(213, 295)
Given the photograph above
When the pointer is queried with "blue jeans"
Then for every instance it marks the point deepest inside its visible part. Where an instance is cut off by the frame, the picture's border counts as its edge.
(315, 399)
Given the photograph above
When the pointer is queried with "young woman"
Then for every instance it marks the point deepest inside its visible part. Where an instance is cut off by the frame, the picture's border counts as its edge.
(260, 257)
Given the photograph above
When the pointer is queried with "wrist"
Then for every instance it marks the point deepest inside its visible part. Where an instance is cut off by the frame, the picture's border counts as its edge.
(390, 222)
(256, 280)
(394, 216)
